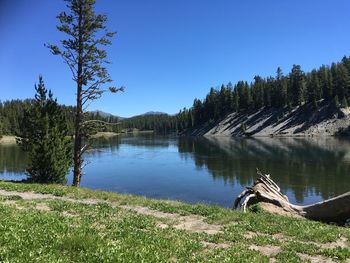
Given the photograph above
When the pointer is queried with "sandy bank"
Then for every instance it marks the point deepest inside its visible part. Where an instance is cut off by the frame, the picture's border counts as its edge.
(105, 135)
(5, 140)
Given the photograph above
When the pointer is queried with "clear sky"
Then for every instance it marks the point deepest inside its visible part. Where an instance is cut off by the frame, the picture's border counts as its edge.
(167, 52)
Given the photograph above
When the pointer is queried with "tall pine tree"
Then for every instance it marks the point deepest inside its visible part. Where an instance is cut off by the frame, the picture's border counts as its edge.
(83, 51)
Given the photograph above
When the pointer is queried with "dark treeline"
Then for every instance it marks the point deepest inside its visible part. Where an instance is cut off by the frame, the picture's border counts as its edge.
(12, 114)
(11, 119)
(160, 123)
(330, 83)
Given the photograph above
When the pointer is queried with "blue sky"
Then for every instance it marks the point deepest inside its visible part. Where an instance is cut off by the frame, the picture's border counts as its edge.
(167, 52)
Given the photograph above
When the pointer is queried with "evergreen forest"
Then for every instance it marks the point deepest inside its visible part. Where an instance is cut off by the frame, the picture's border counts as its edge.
(330, 83)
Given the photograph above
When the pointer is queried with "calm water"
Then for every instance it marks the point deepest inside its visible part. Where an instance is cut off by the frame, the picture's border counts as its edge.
(207, 170)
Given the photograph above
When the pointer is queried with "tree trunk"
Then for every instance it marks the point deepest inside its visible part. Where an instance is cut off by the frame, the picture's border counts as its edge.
(79, 110)
(266, 191)
(77, 157)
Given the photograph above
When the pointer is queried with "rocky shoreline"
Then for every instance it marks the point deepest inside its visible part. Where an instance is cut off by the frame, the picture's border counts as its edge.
(302, 121)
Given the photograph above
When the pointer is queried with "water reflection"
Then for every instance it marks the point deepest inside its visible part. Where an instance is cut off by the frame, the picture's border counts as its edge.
(13, 162)
(315, 166)
(210, 170)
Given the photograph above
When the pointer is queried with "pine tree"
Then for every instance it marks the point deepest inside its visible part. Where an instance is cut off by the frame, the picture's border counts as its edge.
(313, 88)
(45, 137)
(268, 92)
(83, 52)
(235, 99)
(326, 82)
(258, 92)
(342, 84)
(297, 85)
(280, 98)
(224, 100)
(244, 96)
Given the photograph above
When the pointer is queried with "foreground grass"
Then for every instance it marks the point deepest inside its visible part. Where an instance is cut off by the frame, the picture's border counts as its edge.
(61, 230)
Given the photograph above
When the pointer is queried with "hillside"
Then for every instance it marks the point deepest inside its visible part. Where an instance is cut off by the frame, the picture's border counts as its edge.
(153, 113)
(305, 120)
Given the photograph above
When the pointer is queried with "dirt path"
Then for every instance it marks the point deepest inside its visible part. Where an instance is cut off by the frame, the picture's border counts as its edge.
(192, 223)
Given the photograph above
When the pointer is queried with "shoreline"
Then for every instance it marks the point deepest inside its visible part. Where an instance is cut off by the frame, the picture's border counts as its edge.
(8, 140)
(104, 135)
(11, 139)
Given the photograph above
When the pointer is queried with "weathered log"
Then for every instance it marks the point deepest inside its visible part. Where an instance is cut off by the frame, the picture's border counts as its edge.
(266, 191)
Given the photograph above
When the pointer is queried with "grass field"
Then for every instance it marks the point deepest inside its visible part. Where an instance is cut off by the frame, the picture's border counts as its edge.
(50, 223)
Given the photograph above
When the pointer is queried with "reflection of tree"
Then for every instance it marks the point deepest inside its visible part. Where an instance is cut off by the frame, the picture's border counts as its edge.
(102, 144)
(12, 159)
(303, 166)
(144, 140)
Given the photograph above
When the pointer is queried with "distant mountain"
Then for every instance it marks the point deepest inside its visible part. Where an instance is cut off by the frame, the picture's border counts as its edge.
(153, 113)
(105, 114)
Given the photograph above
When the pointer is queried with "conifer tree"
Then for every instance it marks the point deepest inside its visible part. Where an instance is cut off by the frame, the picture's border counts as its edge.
(258, 92)
(297, 85)
(326, 82)
(280, 98)
(268, 92)
(45, 137)
(313, 88)
(342, 84)
(83, 52)
(235, 99)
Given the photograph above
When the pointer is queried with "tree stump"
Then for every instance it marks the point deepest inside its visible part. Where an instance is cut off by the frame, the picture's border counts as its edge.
(267, 192)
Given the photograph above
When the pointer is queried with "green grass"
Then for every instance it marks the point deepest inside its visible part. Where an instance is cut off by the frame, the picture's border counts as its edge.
(105, 232)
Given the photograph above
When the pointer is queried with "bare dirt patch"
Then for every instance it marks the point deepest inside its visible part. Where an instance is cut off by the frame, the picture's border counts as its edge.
(28, 195)
(189, 223)
(13, 203)
(211, 245)
(68, 214)
(269, 251)
(314, 259)
(38, 196)
(342, 242)
(42, 207)
(196, 224)
(162, 225)
(5, 140)
(250, 234)
(278, 210)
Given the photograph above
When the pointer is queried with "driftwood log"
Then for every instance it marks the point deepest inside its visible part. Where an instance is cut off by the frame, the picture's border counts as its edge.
(267, 192)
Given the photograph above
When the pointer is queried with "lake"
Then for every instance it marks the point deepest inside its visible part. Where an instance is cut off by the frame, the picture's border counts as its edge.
(209, 170)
